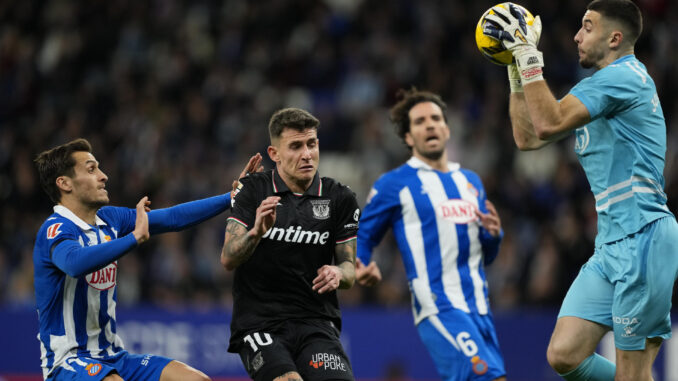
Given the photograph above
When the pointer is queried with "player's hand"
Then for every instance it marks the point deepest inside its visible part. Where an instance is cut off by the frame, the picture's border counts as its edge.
(367, 275)
(141, 232)
(490, 221)
(509, 27)
(252, 166)
(328, 279)
(265, 217)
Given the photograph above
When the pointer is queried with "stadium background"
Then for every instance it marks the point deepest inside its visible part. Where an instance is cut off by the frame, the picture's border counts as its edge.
(176, 95)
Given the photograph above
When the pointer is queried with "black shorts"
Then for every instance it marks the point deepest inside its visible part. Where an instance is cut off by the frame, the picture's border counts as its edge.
(309, 347)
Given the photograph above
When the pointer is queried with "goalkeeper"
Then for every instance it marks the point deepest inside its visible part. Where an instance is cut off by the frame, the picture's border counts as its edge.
(620, 133)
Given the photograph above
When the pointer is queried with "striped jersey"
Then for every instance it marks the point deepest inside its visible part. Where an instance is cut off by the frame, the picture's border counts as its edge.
(75, 275)
(77, 315)
(622, 149)
(443, 245)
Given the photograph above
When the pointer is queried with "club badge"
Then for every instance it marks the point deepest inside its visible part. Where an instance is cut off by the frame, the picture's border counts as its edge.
(321, 209)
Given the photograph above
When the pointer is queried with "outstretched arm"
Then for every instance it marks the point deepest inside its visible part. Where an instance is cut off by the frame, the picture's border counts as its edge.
(188, 214)
(77, 261)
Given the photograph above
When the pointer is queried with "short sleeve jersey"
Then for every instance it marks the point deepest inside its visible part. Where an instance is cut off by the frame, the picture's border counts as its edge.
(275, 283)
(442, 242)
(622, 149)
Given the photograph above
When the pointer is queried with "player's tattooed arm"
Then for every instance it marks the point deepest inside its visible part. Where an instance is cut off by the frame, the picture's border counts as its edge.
(341, 275)
(238, 245)
(344, 257)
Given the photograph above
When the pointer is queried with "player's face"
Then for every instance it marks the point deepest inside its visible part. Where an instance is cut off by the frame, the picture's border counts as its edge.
(591, 40)
(428, 130)
(296, 155)
(88, 185)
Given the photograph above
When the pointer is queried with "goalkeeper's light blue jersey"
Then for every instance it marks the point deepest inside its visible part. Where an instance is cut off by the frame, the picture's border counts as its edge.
(443, 246)
(622, 149)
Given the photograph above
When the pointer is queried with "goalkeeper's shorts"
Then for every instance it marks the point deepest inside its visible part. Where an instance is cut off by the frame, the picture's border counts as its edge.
(627, 285)
(463, 346)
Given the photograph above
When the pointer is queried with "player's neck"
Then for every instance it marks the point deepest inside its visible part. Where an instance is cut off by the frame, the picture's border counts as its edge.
(296, 185)
(439, 164)
(612, 56)
(84, 212)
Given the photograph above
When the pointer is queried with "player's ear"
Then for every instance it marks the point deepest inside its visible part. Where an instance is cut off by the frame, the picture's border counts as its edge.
(64, 183)
(409, 140)
(616, 38)
(272, 153)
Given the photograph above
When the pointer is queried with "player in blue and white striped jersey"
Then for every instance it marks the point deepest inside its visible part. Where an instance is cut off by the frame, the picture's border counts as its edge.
(447, 231)
(75, 267)
(617, 120)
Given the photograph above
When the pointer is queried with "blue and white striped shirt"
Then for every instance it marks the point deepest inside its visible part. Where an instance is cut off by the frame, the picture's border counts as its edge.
(444, 248)
(75, 275)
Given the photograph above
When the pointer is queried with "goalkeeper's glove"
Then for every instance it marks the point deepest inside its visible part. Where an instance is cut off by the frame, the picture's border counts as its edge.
(509, 27)
(514, 79)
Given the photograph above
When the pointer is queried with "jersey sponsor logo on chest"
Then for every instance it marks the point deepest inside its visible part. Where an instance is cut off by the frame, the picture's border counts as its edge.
(103, 279)
(297, 234)
(457, 211)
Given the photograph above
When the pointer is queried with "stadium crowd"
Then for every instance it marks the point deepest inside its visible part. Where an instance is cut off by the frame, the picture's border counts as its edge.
(175, 96)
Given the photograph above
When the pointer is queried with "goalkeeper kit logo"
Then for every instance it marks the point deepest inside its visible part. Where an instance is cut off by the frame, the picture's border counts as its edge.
(532, 60)
(519, 36)
(327, 361)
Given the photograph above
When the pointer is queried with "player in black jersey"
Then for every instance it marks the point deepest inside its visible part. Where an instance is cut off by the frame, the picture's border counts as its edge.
(291, 241)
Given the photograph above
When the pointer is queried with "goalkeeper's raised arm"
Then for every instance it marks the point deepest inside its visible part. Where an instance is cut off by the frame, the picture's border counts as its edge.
(537, 117)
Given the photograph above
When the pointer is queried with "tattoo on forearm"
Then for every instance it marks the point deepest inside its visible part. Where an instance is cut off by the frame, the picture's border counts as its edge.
(344, 257)
(238, 245)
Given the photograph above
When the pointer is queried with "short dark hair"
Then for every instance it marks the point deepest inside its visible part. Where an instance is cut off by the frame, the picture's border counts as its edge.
(294, 118)
(623, 11)
(400, 112)
(56, 162)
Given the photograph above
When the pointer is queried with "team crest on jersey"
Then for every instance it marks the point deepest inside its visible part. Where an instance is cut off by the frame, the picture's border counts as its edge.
(472, 189)
(53, 230)
(93, 369)
(457, 211)
(321, 209)
(479, 365)
(103, 279)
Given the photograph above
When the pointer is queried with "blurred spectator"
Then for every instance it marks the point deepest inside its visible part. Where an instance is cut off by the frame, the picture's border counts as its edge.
(174, 95)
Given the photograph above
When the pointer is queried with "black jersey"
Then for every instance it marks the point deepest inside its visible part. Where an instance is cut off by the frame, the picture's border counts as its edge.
(275, 283)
